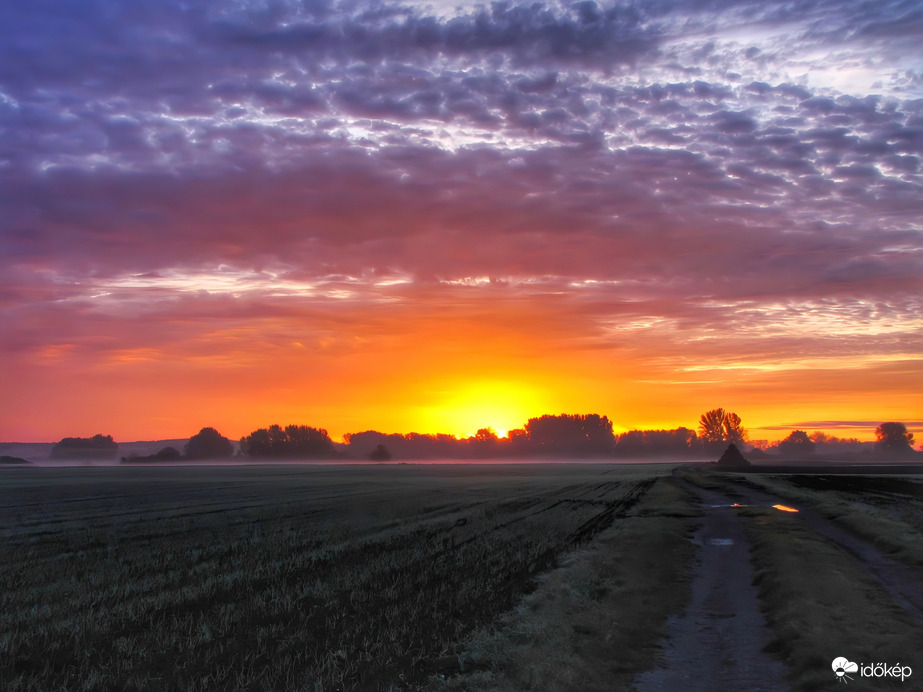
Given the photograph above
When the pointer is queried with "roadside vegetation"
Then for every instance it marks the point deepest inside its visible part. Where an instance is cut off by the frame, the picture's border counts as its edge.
(596, 621)
(887, 511)
(821, 604)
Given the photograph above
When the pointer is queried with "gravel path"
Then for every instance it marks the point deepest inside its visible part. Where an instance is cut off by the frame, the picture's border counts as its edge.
(717, 644)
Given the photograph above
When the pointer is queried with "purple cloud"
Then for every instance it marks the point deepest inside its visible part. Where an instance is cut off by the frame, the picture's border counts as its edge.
(631, 173)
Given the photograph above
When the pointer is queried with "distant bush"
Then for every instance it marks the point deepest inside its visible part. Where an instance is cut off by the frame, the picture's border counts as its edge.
(165, 454)
(380, 453)
(168, 454)
(408, 446)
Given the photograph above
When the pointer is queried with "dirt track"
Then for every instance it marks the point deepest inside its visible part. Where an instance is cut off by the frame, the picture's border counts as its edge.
(717, 644)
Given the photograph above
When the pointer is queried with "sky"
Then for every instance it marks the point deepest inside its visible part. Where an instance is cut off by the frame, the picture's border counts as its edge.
(440, 216)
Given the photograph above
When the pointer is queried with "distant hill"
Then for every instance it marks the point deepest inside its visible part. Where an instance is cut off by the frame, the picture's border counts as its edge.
(27, 450)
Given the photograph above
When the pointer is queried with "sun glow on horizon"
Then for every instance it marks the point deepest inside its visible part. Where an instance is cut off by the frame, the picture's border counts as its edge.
(496, 404)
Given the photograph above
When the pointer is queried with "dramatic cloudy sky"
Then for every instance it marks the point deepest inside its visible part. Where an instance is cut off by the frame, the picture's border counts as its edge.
(440, 216)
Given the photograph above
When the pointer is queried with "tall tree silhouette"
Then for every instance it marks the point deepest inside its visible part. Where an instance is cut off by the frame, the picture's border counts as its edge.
(719, 427)
(893, 439)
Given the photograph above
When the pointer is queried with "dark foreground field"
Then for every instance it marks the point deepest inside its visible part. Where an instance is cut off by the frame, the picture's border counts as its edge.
(291, 577)
(462, 577)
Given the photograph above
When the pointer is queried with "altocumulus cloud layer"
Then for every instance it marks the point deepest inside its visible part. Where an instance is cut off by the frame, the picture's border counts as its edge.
(718, 185)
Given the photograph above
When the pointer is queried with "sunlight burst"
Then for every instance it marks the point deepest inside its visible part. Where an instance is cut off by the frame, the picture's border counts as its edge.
(497, 404)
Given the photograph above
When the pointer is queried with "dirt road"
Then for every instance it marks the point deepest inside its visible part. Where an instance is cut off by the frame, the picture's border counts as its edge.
(717, 644)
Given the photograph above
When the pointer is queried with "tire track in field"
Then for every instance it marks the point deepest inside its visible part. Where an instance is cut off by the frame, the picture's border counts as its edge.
(717, 644)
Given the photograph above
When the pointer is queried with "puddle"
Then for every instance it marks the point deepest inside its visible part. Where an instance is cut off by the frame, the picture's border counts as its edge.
(720, 541)
(781, 508)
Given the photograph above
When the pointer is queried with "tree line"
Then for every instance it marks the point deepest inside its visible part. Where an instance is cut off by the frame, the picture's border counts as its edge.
(892, 440)
(552, 436)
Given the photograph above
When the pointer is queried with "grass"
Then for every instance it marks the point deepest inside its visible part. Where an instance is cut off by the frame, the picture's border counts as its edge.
(295, 578)
(887, 511)
(596, 621)
(820, 604)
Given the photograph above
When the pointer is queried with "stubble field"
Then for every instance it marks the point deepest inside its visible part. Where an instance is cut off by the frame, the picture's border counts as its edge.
(444, 577)
(278, 577)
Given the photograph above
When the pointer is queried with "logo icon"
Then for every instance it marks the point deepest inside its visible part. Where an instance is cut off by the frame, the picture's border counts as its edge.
(841, 666)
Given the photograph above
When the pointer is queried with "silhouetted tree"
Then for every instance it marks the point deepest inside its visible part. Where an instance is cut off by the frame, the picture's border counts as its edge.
(711, 426)
(484, 443)
(380, 453)
(96, 447)
(893, 440)
(165, 454)
(256, 443)
(678, 442)
(409, 446)
(580, 435)
(830, 444)
(208, 443)
(168, 454)
(308, 442)
(295, 441)
(486, 435)
(278, 441)
(797, 444)
(719, 427)
(518, 442)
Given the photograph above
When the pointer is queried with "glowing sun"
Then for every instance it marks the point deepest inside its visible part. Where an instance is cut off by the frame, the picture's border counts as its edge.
(501, 405)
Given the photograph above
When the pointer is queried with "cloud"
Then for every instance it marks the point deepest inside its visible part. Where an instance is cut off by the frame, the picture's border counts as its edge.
(839, 424)
(707, 183)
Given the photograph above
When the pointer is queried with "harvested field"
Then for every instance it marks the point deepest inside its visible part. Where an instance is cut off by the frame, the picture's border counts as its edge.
(278, 577)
